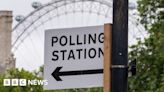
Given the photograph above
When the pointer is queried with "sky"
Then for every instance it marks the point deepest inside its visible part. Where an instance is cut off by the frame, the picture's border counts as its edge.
(23, 7)
(19, 7)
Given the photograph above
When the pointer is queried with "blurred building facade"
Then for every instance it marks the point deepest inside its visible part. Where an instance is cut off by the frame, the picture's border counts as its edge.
(7, 60)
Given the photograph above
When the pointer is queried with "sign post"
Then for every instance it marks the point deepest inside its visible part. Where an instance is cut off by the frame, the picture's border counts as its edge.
(107, 57)
(120, 46)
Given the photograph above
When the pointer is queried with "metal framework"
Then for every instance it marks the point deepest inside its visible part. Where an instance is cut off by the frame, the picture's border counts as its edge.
(57, 8)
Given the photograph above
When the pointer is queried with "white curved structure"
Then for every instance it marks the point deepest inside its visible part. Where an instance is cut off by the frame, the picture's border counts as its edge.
(28, 34)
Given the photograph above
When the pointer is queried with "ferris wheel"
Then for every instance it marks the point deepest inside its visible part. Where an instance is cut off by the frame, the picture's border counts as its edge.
(28, 34)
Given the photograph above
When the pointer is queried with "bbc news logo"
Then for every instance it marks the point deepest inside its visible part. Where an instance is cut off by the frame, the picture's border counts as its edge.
(23, 82)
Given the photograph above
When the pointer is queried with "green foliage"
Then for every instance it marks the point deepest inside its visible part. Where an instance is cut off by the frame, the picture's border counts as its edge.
(150, 53)
(150, 12)
(20, 74)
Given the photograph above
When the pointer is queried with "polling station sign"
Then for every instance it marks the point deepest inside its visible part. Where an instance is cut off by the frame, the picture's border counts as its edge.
(73, 57)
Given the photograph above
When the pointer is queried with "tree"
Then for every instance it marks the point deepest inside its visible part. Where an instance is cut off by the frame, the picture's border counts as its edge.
(150, 52)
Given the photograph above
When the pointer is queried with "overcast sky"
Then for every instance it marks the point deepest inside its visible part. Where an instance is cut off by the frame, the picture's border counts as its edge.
(18, 6)
(22, 7)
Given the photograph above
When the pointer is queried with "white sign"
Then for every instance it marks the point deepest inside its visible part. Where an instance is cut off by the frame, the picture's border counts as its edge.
(74, 57)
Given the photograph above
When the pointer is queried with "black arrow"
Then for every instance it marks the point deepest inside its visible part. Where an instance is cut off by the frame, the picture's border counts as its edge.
(56, 74)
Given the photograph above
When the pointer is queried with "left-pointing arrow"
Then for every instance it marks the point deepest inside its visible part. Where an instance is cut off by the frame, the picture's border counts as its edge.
(56, 74)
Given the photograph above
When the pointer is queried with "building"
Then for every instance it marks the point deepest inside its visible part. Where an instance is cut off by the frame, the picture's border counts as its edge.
(7, 59)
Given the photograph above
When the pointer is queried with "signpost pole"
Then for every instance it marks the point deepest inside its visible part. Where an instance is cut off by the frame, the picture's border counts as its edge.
(107, 57)
(120, 46)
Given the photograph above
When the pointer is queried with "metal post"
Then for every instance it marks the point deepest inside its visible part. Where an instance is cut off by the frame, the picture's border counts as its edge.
(120, 46)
